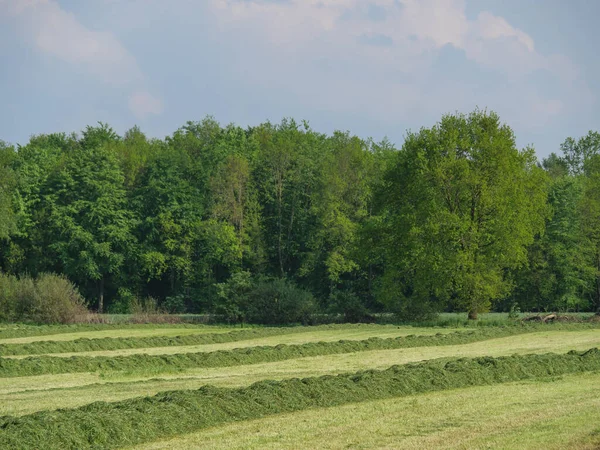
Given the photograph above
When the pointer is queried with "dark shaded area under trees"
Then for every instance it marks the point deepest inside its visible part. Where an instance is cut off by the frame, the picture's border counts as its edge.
(275, 223)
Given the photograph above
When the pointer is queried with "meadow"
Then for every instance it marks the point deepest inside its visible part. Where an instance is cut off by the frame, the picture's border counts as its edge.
(502, 384)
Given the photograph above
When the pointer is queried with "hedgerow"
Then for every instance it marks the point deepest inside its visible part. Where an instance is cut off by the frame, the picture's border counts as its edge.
(130, 422)
(38, 365)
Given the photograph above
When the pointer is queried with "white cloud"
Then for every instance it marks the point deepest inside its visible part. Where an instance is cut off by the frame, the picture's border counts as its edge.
(57, 32)
(417, 25)
(142, 104)
(397, 78)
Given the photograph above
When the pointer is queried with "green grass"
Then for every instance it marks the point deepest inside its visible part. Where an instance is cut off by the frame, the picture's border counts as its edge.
(23, 395)
(37, 365)
(561, 414)
(25, 334)
(485, 320)
(132, 365)
(110, 425)
(174, 341)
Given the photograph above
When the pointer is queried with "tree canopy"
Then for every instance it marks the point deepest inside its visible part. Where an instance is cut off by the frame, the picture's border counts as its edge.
(213, 218)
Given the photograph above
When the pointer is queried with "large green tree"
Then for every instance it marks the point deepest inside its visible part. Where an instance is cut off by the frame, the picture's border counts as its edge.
(89, 217)
(463, 203)
(8, 184)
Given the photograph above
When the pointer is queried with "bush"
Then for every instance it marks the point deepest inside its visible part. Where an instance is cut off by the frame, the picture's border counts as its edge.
(279, 301)
(145, 307)
(57, 300)
(8, 297)
(350, 305)
(264, 301)
(174, 305)
(233, 297)
(122, 304)
(49, 298)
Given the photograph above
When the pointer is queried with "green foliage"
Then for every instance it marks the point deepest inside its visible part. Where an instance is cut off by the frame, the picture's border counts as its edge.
(174, 304)
(350, 305)
(49, 298)
(279, 301)
(122, 303)
(234, 297)
(462, 205)
(458, 220)
(266, 301)
(8, 183)
(129, 422)
(515, 311)
(89, 218)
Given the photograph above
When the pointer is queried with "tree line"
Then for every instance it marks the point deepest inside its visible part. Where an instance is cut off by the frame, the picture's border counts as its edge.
(276, 222)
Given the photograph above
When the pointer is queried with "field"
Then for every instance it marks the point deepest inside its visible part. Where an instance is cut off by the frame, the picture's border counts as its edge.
(330, 386)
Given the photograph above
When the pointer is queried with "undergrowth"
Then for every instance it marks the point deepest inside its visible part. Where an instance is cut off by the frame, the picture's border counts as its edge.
(133, 421)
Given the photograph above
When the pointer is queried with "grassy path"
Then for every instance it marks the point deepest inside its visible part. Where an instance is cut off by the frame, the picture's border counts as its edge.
(23, 395)
(560, 414)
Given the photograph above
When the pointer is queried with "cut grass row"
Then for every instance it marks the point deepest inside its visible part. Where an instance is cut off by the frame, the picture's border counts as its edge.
(22, 334)
(37, 365)
(24, 395)
(533, 414)
(109, 425)
(256, 336)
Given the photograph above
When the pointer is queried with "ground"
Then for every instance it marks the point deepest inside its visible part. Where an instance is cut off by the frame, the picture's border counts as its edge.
(535, 412)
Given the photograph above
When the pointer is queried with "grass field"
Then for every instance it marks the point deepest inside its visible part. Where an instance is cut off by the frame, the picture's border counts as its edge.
(557, 414)
(542, 410)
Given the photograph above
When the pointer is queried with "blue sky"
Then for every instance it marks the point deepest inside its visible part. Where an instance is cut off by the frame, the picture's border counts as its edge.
(376, 68)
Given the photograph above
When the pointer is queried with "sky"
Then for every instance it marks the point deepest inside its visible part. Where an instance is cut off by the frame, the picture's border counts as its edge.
(376, 68)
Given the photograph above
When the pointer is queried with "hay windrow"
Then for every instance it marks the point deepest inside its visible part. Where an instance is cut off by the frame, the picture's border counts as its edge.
(129, 422)
(108, 343)
(21, 331)
(38, 365)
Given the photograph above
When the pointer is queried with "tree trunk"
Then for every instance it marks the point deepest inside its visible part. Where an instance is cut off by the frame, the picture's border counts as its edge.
(473, 314)
(101, 296)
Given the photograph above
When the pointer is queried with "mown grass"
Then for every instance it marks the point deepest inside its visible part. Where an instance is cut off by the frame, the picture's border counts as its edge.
(174, 341)
(24, 334)
(109, 425)
(37, 365)
(535, 414)
(24, 395)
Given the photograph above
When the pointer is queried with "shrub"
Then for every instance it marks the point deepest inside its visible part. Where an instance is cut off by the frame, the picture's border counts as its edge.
(56, 300)
(145, 307)
(264, 301)
(50, 298)
(350, 305)
(233, 297)
(8, 297)
(515, 311)
(280, 302)
(174, 305)
(122, 304)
